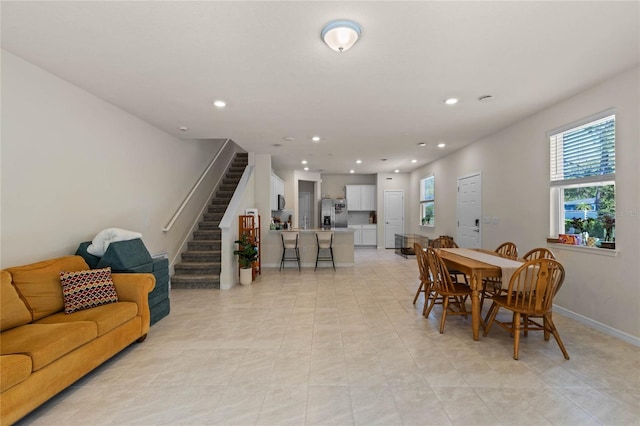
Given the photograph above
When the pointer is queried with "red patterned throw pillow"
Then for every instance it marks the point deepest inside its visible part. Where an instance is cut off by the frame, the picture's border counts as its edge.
(87, 289)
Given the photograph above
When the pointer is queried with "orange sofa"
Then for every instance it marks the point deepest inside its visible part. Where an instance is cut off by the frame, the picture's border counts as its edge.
(43, 350)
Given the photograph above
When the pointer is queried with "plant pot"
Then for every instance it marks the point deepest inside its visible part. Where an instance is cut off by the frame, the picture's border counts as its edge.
(246, 276)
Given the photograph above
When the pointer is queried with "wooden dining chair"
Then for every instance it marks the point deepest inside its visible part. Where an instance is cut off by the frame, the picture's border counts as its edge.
(539, 253)
(425, 278)
(508, 250)
(452, 294)
(530, 297)
(445, 241)
(492, 286)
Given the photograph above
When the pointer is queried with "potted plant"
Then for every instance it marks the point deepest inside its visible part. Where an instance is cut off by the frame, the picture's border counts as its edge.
(247, 253)
(609, 224)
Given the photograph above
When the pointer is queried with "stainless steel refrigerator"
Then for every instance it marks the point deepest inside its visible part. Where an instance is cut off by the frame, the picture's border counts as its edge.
(333, 213)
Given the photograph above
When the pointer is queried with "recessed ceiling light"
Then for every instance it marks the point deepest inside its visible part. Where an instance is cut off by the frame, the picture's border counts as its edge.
(383, 159)
(352, 171)
(485, 98)
(304, 161)
(396, 171)
(414, 161)
(422, 144)
(219, 103)
(451, 101)
(359, 161)
(183, 128)
(289, 138)
(442, 145)
(316, 138)
(306, 168)
(277, 145)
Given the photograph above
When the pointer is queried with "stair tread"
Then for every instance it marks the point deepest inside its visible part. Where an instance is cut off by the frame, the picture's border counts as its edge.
(186, 277)
(196, 264)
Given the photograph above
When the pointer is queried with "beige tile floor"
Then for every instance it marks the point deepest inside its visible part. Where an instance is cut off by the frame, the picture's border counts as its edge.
(347, 347)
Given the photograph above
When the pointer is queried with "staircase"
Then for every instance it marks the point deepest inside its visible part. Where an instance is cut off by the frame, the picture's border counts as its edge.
(200, 266)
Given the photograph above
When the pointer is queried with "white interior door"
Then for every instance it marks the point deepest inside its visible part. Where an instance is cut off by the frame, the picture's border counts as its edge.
(393, 216)
(304, 210)
(469, 211)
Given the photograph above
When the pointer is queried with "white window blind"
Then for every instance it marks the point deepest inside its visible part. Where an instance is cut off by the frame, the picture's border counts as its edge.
(584, 154)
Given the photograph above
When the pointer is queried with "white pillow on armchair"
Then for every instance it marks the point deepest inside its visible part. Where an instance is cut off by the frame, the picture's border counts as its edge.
(107, 236)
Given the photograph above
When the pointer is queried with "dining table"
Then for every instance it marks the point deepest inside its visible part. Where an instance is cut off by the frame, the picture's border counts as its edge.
(478, 264)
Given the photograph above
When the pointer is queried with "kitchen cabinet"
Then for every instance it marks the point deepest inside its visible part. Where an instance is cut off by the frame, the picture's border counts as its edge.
(364, 235)
(369, 235)
(361, 197)
(277, 188)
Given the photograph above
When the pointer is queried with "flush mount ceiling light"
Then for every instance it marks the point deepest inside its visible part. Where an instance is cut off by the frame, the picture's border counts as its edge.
(316, 138)
(341, 35)
(396, 171)
(451, 101)
(359, 161)
(414, 161)
(304, 161)
(422, 144)
(352, 171)
(442, 145)
(220, 104)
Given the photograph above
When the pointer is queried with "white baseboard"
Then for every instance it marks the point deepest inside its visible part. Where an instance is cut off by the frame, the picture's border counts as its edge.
(598, 325)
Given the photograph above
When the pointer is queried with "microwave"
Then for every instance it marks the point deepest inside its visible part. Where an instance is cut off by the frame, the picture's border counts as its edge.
(281, 202)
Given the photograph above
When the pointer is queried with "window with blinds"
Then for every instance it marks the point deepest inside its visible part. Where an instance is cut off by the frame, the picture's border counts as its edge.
(584, 154)
(582, 177)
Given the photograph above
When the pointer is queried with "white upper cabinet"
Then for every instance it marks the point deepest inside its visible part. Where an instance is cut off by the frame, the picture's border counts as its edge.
(361, 197)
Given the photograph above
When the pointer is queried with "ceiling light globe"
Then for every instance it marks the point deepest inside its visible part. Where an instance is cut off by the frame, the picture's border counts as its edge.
(341, 35)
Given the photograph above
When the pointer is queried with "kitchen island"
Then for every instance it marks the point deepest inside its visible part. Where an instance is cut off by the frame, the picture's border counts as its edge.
(271, 246)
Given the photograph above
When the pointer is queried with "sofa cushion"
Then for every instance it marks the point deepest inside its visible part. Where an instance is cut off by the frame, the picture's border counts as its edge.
(45, 343)
(106, 317)
(13, 311)
(91, 260)
(101, 241)
(14, 369)
(39, 284)
(87, 289)
(127, 256)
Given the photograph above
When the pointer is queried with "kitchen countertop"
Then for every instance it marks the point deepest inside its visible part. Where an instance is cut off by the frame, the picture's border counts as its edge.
(313, 230)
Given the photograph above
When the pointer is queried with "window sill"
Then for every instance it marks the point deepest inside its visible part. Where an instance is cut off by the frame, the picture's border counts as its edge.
(591, 250)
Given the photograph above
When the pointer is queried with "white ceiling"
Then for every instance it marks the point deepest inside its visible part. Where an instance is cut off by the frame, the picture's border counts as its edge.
(166, 62)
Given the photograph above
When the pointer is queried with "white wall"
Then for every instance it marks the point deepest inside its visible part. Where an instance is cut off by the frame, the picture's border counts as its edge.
(515, 182)
(333, 185)
(73, 164)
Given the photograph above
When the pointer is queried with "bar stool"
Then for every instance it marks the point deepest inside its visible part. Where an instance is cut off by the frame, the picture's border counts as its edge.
(325, 242)
(290, 242)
